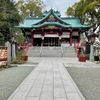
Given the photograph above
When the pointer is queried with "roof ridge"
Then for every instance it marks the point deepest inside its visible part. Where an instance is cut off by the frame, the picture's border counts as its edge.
(51, 12)
(51, 23)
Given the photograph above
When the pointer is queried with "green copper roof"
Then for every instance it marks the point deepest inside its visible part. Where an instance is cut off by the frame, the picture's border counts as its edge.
(51, 24)
(64, 22)
(56, 12)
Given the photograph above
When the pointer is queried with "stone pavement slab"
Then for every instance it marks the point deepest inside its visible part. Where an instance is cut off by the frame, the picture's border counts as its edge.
(73, 62)
(48, 81)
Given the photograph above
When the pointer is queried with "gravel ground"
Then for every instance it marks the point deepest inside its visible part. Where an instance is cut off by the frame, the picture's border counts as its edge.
(88, 81)
(11, 78)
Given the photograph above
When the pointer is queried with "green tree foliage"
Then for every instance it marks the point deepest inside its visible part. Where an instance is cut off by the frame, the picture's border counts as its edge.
(71, 10)
(20, 38)
(9, 17)
(31, 7)
(1, 39)
(88, 10)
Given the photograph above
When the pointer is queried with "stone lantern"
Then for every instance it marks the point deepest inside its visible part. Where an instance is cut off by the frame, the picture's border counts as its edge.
(91, 37)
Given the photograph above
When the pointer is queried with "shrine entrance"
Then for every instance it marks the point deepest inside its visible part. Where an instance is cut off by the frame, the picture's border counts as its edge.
(51, 41)
(37, 41)
(52, 29)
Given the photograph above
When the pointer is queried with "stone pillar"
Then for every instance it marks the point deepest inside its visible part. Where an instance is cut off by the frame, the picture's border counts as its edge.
(71, 38)
(91, 53)
(13, 51)
(42, 43)
(8, 45)
(59, 41)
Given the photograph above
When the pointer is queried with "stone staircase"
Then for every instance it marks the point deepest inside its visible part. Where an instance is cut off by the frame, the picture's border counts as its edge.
(69, 52)
(52, 52)
(34, 51)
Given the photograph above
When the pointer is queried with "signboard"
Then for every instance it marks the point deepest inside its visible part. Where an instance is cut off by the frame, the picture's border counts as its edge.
(3, 54)
(51, 27)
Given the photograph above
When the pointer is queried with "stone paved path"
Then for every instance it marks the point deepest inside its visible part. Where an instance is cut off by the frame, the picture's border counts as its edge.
(49, 81)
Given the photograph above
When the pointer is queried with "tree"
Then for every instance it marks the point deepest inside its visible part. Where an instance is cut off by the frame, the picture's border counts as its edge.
(9, 17)
(31, 7)
(71, 10)
(20, 38)
(87, 10)
(1, 39)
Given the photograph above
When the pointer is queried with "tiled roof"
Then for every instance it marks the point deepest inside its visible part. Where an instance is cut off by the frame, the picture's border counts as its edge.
(64, 22)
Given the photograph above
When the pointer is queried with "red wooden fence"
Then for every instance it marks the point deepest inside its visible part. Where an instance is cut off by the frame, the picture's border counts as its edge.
(4, 55)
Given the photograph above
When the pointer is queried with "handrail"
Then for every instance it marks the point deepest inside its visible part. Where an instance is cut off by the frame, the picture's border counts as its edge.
(41, 49)
(62, 50)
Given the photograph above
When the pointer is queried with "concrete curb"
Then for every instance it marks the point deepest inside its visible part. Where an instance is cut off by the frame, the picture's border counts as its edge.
(76, 87)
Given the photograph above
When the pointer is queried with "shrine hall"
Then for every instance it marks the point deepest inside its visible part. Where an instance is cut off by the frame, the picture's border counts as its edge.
(52, 29)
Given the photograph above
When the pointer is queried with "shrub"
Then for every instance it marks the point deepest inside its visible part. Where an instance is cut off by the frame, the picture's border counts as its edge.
(20, 38)
(1, 39)
(18, 61)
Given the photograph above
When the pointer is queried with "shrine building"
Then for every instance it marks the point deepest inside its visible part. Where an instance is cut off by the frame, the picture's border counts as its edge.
(52, 29)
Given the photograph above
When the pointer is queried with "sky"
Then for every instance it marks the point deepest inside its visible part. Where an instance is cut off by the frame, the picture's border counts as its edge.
(60, 5)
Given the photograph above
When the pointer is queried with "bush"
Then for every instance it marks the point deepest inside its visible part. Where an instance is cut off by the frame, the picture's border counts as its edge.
(2, 67)
(1, 39)
(20, 52)
(18, 61)
(20, 38)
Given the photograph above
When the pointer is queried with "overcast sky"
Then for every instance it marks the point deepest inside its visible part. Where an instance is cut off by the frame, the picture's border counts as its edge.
(60, 5)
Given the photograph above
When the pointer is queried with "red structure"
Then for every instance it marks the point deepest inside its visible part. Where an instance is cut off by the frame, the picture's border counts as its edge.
(52, 29)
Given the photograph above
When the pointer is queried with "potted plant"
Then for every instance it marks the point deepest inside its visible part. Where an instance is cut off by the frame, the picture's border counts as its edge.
(21, 55)
(24, 56)
(20, 39)
(82, 56)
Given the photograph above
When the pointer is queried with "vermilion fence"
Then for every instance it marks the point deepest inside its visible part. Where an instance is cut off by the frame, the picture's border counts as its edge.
(4, 55)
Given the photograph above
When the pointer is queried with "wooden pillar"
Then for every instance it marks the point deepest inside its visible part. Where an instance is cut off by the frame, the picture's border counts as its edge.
(42, 34)
(32, 37)
(60, 34)
(78, 37)
(70, 38)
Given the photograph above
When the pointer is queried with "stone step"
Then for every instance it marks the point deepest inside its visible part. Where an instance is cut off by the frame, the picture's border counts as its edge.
(51, 52)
